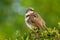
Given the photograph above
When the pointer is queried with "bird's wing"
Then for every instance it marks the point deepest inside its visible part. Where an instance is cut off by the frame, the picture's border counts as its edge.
(39, 21)
(32, 22)
(36, 21)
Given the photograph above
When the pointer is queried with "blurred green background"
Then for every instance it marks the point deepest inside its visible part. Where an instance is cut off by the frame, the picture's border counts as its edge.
(12, 13)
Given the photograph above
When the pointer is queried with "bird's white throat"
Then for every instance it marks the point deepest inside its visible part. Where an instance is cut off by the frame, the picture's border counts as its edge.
(30, 26)
(26, 19)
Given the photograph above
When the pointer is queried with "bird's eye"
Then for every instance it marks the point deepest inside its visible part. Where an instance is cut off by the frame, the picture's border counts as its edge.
(31, 10)
(27, 15)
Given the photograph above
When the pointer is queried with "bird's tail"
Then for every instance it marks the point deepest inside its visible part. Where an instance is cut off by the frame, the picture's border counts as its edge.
(46, 27)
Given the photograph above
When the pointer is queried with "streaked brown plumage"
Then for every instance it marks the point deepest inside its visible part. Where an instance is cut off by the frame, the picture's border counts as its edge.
(34, 19)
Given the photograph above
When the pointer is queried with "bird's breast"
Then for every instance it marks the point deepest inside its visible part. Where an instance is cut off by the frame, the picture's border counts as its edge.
(29, 25)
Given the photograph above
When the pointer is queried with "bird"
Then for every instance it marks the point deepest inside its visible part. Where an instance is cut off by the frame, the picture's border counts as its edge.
(33, 20)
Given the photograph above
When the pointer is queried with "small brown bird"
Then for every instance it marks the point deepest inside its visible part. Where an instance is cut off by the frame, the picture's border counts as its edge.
(34, 20)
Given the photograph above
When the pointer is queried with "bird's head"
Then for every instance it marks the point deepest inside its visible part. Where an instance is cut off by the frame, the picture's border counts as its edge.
(30, 10)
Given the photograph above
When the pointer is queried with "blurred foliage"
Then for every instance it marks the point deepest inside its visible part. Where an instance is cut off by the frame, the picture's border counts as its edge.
(12, 13)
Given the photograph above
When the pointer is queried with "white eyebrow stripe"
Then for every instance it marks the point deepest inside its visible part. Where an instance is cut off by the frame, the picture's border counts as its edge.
(29, 13)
